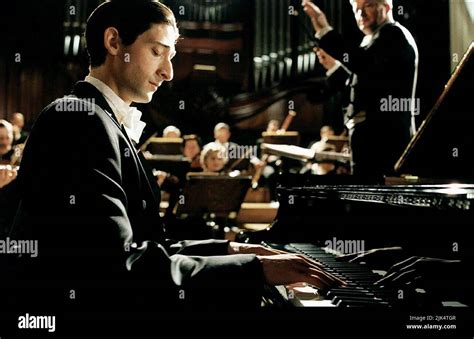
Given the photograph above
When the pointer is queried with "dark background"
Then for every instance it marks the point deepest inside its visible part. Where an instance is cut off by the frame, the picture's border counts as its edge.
(36, 30)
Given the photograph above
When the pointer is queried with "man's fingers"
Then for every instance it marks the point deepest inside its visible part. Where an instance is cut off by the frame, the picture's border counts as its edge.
(328, 278)
(399, 278)
(320, 267)
(315, 267)
(403, 264)
(309, 261)
(391, 277)
(319, 283)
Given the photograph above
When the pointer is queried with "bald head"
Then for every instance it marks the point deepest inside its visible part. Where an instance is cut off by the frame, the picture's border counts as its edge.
(18, 120)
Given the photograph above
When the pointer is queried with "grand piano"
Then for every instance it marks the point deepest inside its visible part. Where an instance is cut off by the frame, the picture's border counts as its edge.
(427, 210)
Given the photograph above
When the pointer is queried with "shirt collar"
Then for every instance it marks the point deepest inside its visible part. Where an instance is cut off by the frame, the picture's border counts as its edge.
(118, 106)
(127, 116)
(370, 39)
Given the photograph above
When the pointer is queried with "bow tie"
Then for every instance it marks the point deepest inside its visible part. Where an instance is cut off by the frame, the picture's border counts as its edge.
(132, 123)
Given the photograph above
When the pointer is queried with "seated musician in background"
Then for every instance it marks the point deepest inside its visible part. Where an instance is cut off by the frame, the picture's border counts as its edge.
(171, 132)
(19, 134)
(95, 210)
(7, 175)
(273, 125)
(8, 198)
(213, 158)
(192, 146)
(222, 136)
(382, 68)
(325, 132)
(6, 142)
(324, 167)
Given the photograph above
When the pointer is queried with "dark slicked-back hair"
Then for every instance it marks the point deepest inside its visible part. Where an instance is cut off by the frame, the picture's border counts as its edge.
(130, 17)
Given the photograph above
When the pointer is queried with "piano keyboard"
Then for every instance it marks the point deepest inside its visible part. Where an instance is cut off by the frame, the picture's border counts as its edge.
(360, 289)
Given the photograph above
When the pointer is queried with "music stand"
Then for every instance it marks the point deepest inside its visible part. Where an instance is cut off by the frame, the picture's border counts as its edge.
(164, 146)
(212, 194)
(338, 141)
(178, 167)
(277, 138)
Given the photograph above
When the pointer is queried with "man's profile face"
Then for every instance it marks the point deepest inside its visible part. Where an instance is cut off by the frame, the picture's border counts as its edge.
(146, 63)
(5, 141)
(369, 14)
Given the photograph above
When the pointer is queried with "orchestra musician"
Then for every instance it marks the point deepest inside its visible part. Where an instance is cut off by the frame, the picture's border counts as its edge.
(7, 175)
(222, 136)
(213, 158)
(19, 134)
(95, 210)
(269, 163)
(382, 68)
(6, 142)
(171, 132)
(192, 146)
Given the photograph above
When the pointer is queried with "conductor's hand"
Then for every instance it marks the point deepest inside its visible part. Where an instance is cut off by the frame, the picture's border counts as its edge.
(318, 18)
(7, 175)
(377, 258)
(421, 271)
(286, 269)
(325, 59)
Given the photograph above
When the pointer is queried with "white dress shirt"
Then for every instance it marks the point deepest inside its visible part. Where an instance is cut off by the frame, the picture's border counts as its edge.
(125, 114)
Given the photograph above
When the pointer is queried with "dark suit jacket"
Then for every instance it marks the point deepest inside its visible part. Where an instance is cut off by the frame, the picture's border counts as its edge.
(385, 70)
(88, 200)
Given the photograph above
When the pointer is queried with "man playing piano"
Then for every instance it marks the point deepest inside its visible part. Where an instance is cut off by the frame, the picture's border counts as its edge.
(94, 210)
(381, 71)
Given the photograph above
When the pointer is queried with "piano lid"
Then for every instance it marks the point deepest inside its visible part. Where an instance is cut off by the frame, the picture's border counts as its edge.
(443, 147)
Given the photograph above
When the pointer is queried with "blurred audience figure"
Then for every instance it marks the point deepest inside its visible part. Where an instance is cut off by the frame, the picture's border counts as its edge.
(18, 123)
(6, 142)
(171, 132)
(325, 132)
(192, 146)
(273, 126)
(213, 158)
(7, 175)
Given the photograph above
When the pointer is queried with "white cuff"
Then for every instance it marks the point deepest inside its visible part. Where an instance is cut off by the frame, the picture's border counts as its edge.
(323, 32)
(333, 70)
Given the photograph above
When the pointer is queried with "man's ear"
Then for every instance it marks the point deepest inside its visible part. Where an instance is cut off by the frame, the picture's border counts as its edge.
(388, 8)
(112, 40)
